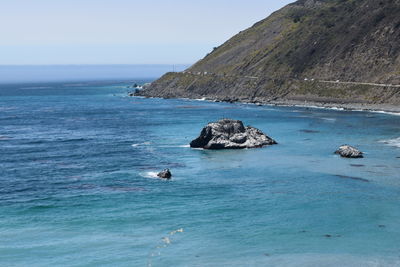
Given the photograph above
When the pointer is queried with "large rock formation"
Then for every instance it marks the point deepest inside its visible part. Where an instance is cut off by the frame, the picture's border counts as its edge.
(347, 151)
(230, 134)
(326, 51)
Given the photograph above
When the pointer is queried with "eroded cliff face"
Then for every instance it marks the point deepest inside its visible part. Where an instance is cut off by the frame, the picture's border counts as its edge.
(307, 50)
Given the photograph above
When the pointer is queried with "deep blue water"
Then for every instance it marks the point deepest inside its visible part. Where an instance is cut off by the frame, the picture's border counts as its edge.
(15, 74)
(77, 189)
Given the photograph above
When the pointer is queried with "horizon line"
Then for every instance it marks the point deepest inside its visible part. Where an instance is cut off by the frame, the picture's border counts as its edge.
(96, 64)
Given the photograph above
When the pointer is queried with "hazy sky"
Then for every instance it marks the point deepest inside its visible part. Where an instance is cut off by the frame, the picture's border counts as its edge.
(121, 31)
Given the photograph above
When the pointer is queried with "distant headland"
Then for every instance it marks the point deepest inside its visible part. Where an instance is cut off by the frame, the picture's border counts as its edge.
(325, 53)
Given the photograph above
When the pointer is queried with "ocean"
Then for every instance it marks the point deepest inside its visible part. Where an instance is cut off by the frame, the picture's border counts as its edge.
(77, 182)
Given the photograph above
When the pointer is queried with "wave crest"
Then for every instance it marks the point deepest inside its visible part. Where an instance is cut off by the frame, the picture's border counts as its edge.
(392, 142)
(149, 174)
(141, 144)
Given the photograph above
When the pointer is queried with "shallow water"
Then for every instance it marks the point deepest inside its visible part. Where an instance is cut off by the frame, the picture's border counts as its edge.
(78, 186)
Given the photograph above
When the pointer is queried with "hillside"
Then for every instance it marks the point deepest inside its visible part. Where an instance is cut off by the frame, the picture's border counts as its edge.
(335, 51)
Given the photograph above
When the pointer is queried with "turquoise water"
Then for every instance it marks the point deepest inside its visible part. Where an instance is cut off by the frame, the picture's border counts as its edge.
(77, 184)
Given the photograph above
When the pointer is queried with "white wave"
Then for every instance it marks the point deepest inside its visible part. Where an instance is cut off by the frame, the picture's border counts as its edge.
(185, 146)
(329, 119)
(336, 108)
(149, 174)
(392, 142)
(141, 144)
(387, 112)
(316, 107)
(306, 106)
(201, 99)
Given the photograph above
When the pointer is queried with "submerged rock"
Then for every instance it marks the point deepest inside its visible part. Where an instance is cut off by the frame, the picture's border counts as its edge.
(165, 174)
(230, 134)
(347, 151)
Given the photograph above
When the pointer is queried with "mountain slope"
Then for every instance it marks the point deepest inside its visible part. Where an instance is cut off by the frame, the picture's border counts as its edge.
(299, 53)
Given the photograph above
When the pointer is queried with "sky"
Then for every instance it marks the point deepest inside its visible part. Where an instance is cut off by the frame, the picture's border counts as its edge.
(42, 32)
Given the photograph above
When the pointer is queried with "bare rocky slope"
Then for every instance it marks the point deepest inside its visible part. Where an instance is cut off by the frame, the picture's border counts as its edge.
(326, 51)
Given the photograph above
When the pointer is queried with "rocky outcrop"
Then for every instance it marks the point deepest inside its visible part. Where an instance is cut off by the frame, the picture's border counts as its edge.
(134, 92)
(231, 134)
(347, 151)
(165, 174)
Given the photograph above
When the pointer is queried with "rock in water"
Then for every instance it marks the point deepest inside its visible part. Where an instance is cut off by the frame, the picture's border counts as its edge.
(230, 134)
(165, 174)
(347, 151)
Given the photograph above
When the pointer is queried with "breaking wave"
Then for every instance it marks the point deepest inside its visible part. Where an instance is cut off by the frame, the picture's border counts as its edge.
(392, 142)
(149, 174)
(141, 144)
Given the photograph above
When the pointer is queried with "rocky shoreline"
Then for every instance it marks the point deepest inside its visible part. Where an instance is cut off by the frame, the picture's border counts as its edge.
(387, 108)
(304, 102)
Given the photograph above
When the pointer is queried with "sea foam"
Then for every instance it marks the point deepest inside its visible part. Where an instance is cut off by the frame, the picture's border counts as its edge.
(392, 142)
(184, 146)
(149, 174)
(387, 112)
(141, 144)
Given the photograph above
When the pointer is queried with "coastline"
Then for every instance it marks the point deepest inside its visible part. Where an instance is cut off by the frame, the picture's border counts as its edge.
(381, 108)
(365, 107)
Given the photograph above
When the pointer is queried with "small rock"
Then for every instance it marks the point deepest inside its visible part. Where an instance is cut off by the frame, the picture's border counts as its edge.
(165, 174)
(347, 151)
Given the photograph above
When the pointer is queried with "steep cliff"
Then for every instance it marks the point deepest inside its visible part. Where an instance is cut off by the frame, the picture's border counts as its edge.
(345, 51)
